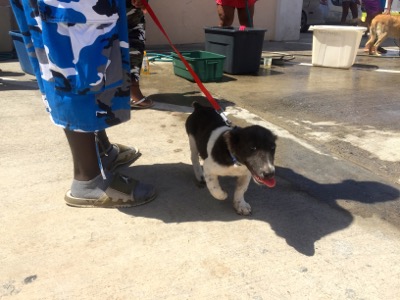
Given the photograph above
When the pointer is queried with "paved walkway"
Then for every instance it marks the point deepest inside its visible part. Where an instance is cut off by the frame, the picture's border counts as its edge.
(185, 244)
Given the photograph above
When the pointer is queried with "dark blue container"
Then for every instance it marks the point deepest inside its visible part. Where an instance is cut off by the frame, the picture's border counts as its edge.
(22, 53)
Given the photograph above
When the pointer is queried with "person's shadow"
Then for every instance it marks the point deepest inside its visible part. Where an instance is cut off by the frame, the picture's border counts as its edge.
(298, 209)
(12, 81)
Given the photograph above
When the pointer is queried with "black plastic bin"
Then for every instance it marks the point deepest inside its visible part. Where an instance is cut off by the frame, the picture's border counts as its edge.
(242, 49)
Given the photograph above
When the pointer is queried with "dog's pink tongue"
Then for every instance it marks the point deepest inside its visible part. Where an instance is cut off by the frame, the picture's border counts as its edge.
(269, 182)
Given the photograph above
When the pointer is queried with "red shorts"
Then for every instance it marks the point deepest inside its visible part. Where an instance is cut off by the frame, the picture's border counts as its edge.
(235, 3)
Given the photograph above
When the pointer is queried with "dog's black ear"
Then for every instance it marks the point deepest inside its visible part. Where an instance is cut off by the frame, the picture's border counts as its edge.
(235, 134)
(196, 105)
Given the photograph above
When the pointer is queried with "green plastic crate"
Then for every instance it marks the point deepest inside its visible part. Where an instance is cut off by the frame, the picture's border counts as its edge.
(207, 65)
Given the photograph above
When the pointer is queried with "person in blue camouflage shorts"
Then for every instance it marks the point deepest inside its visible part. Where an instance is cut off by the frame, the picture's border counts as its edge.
(80, 53)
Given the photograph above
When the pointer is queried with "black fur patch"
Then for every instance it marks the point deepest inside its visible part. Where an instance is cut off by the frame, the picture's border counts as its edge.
(250, 146)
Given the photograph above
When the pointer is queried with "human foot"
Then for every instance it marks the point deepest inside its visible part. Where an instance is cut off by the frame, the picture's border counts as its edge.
(142, 103)
(119, 156)
(123, 191)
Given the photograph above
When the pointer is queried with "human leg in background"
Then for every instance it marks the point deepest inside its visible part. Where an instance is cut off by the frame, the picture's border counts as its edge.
(226, 12)
(243, 15)
(345, 11)
(226, 15)
(354, 10)
(136, 37)
(352, 6)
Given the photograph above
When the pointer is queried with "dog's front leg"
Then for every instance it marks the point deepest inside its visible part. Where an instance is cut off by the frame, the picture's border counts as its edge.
(212, 181)
(241, 206)
(214, 187)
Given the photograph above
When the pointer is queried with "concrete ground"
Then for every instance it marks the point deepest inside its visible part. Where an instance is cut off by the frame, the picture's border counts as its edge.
(328, 230)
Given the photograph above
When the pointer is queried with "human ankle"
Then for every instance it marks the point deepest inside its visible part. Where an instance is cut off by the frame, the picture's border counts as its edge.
(91, 189)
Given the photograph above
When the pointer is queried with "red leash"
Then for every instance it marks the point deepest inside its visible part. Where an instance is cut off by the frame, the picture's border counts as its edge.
(196, 78)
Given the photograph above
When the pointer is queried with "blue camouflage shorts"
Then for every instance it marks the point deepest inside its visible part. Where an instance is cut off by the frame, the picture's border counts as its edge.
(80, 53)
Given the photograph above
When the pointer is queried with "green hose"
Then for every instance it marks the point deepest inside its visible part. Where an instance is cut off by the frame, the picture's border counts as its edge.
(248, 14)
(159, 57)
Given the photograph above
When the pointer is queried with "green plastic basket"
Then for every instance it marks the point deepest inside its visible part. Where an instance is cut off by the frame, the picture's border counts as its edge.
(207, 65)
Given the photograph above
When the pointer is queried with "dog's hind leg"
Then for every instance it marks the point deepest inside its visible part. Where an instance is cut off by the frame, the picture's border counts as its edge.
(240, 205)
(194, 156)
(379, 41)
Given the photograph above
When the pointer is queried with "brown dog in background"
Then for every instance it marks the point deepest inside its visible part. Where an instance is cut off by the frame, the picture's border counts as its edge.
(382, 27)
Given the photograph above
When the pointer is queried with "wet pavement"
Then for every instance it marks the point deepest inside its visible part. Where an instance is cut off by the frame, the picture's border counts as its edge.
(348, 118)
(328, 230)
(354, 112)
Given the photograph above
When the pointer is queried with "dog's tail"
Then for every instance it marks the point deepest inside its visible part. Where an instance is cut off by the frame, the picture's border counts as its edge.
(373, 30)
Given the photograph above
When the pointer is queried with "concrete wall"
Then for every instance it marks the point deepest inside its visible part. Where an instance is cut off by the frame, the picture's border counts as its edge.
(288, 18)
(184, 21)
(7, 23)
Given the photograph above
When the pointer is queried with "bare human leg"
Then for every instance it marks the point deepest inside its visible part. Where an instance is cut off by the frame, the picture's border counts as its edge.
(226, 15)
(243, 15)
(345, 11)
(138, 100)
(354, 10)
(84, 156)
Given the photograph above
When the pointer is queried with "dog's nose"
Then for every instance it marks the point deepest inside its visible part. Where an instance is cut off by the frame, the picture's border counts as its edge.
(268, 175)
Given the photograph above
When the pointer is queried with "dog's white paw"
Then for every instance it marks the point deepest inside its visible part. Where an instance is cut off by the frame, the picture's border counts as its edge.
(218, 194)
(243, 208)
(213, 186)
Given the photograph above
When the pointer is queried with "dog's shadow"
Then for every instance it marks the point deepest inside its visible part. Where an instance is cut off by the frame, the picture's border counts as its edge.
(290, 211)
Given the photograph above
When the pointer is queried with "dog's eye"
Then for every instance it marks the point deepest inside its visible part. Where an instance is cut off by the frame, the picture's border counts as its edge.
(254, 148)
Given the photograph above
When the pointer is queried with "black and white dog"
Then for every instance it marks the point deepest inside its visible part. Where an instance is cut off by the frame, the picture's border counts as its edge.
(230, 151)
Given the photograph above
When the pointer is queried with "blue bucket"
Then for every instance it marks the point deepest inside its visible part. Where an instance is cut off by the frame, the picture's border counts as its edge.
(22, 52)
